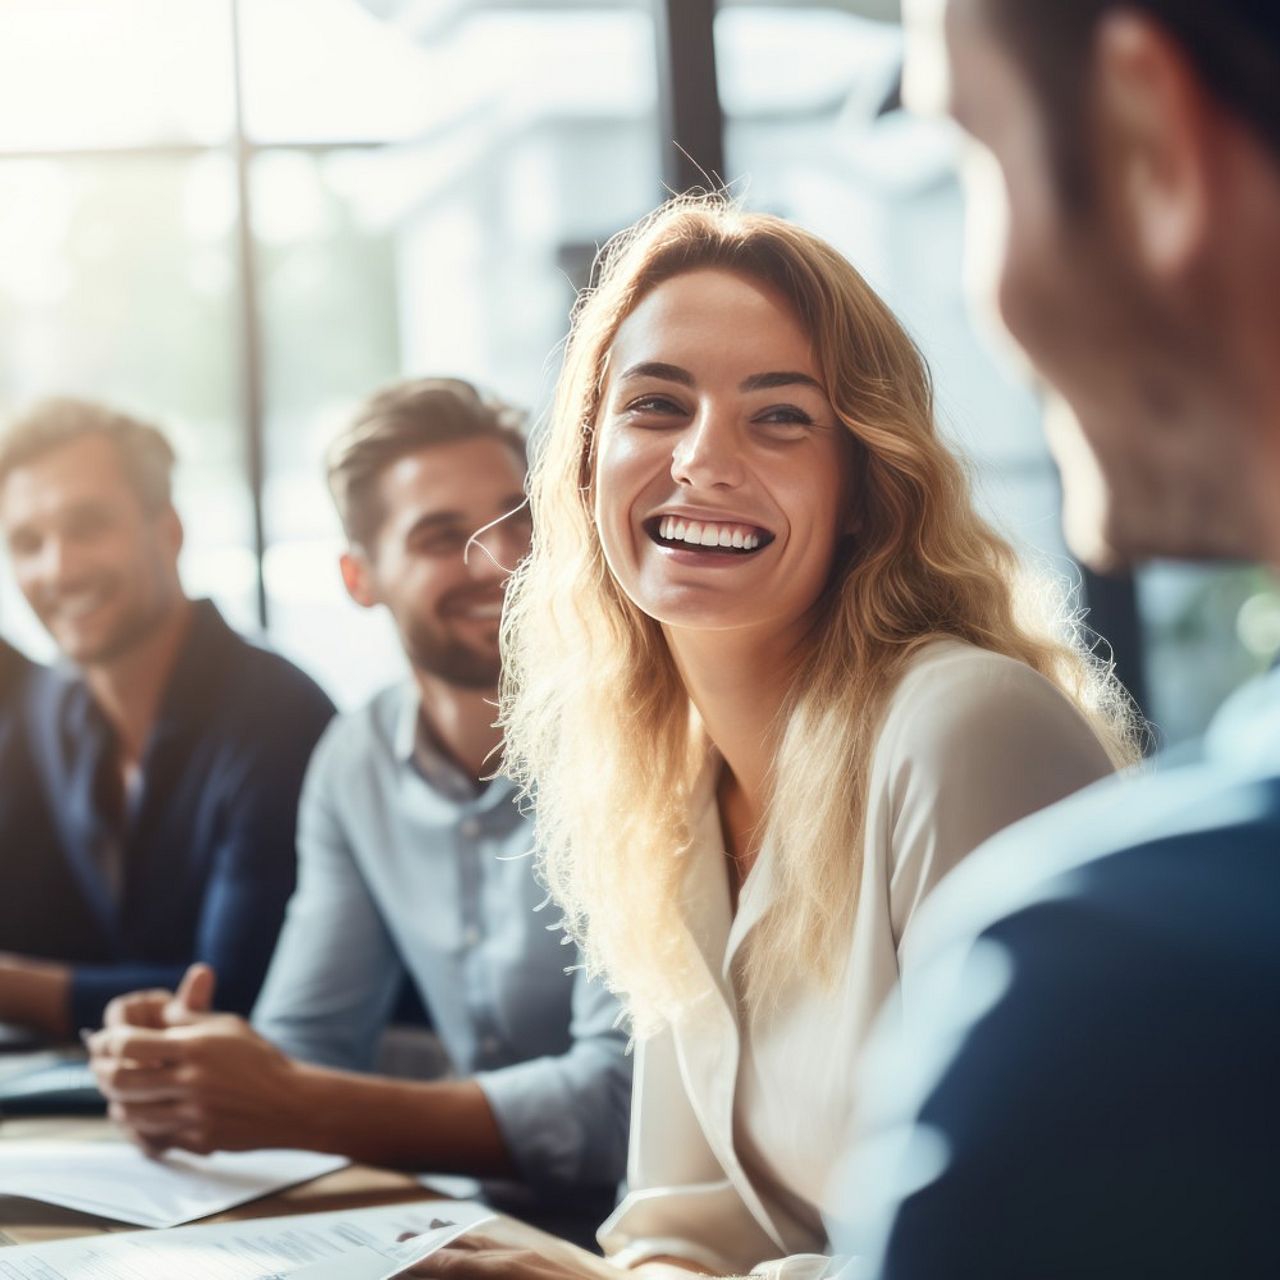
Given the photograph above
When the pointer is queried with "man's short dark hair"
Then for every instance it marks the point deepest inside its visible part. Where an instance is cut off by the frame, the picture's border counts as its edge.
(146, 456)
(398, 421)
(1233, 44)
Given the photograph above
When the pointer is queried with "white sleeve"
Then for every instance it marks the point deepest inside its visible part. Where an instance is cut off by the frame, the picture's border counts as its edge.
(975, 744)
(679, 1202)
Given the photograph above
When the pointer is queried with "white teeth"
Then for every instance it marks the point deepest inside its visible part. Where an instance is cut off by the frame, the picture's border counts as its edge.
(699, 534)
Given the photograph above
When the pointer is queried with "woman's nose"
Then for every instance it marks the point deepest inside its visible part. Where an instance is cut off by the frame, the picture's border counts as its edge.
(708, 454)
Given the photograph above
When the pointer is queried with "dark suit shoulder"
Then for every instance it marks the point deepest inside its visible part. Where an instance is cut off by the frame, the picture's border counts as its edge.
(1114, 1112)
(224, 685)
(277, 684)
(14, 668)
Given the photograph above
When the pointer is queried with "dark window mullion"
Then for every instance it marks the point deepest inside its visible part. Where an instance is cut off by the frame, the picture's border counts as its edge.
(249, 323)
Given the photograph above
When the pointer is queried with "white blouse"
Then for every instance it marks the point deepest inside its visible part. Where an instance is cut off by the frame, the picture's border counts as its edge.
(738, 1122)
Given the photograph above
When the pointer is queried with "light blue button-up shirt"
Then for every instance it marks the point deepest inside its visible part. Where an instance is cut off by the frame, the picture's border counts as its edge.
(398, 874)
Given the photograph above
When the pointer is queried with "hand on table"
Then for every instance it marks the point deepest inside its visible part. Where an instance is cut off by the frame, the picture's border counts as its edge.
(477, 1257)
(176, 1075)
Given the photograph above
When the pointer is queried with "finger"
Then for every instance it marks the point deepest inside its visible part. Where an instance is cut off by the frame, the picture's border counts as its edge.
(455, 1262)
(137, 1009)
(152, 1148)
(167, 1116)
(121, 1082)
(195, 1139)
(462, 1242)
(194, 996)
(140, 1045)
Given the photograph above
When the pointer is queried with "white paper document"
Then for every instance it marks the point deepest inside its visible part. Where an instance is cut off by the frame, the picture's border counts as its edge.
(382, 1262)
(115, 1180)
(361, 1243)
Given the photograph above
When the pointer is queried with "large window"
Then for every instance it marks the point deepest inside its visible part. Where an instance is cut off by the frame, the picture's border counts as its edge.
(421, 195)
(250, 214)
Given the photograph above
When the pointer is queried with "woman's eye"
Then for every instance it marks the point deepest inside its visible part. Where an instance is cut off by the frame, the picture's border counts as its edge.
(654, 404)
(784, 416)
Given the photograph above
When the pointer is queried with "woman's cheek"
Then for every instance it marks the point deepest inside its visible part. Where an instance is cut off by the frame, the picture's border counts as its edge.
(612, 502)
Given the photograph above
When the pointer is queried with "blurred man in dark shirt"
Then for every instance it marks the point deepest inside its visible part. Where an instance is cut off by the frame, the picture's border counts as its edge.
(168, 754)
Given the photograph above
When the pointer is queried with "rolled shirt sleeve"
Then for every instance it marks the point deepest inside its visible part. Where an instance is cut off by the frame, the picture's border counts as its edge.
(565, 1118)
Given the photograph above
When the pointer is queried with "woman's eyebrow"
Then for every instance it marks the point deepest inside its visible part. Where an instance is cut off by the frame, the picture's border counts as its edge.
(656, 369)
(782, 378)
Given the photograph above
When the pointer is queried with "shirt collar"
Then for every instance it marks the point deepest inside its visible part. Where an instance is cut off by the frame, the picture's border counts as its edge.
(197, 669)
(1245, 734)
(717, 930)
(417, 748)
(194, 681)
(405, 737)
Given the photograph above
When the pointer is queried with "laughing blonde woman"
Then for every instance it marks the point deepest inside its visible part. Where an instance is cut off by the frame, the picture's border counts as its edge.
(769, 681)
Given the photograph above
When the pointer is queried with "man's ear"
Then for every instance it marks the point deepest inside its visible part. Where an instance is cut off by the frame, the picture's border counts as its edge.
(358, 577)
(171, 529)
(1156, 127)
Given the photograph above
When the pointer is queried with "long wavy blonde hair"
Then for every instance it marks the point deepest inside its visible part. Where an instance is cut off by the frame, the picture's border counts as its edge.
(600, 731)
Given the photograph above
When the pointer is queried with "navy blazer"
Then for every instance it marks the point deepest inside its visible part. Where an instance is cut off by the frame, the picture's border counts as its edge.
(1089, 1085)
(13, 668)
(208, 844)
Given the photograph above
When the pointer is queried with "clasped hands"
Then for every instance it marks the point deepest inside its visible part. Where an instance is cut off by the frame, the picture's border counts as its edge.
(176, 1074)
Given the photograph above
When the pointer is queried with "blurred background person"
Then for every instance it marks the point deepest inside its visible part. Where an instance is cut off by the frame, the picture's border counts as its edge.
(169, 752)
(29, 854)
(1088, 1085)
(413, 859)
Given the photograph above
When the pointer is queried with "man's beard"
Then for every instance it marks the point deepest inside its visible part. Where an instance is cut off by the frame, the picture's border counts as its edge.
(450, 660)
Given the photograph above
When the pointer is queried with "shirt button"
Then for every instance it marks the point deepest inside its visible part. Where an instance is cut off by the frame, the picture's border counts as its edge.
(470, 935)
(470, 828)
(489, 1046)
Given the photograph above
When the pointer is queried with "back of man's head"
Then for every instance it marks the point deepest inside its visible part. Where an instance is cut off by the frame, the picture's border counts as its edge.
(146, 457)
(1233, 44)
(401, 420)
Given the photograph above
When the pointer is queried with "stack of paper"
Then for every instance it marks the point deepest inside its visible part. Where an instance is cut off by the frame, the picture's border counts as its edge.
(356, 1245)
(115, 1180)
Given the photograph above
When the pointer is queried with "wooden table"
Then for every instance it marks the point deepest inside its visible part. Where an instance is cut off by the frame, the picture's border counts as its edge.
(355, 1187)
